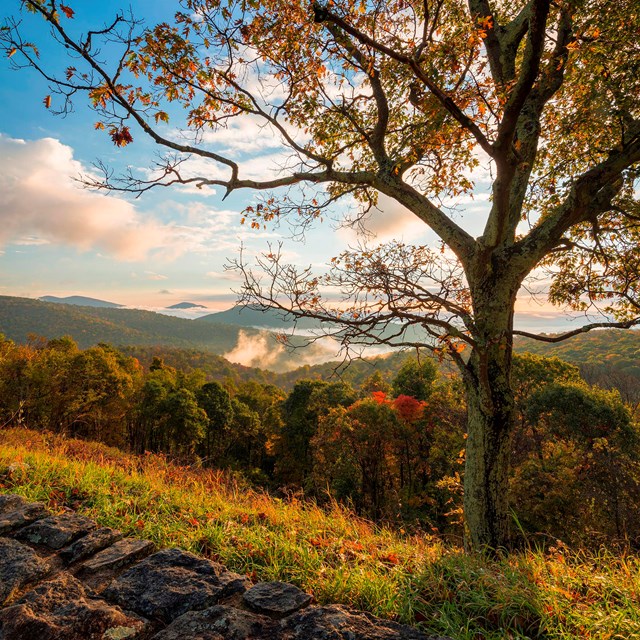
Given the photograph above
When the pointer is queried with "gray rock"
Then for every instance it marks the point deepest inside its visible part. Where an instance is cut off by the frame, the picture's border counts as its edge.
(93, 542)
(276, 599)
(56, 532)
(172, 582)
(118, 555)
(62, 608)
(11, 502)
(335, 622)
(16, 512)
(20, 567)
(220, 623)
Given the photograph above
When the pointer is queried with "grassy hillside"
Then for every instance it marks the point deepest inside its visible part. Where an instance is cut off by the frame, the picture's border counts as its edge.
(88, 326)
(339, 558)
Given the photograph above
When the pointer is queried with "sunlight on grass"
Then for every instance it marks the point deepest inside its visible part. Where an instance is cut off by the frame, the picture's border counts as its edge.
(330, 552)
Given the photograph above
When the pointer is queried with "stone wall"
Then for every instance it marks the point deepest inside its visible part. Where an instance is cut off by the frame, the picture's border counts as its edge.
(65, 577)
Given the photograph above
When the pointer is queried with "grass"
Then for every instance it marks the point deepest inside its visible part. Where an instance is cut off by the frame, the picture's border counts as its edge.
(331, 553)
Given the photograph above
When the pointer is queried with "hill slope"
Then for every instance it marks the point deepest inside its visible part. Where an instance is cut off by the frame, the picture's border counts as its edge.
(20, 317)
(81, 301)
(246, 317)
(617, 348)
(331, 553)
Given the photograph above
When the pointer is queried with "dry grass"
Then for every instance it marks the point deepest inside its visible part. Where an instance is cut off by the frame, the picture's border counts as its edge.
(330, 552)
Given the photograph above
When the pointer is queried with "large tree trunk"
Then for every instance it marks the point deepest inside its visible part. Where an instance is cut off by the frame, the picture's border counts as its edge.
(491, 419)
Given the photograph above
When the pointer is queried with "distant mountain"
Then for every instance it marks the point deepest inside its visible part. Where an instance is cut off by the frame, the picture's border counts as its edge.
(82, 301)
(186, 305)
(20, 317)
(272, 319)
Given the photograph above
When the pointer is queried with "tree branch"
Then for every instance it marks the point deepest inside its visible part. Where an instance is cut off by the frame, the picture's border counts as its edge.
(323, 14)
(586, 328)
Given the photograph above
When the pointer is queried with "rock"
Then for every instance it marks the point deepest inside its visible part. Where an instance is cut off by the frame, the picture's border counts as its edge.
(62, 608)
(172, 582)
(220, 623)
(20, 566)
(16, 512)
(335, 622)
(118, 555)
(56, 532)
(11, 502)
(91, 543)
(276, 599)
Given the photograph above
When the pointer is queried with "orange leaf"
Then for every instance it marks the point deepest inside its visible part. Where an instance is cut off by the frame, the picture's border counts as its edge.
(390, 558)
(47, 101)
(68, 11)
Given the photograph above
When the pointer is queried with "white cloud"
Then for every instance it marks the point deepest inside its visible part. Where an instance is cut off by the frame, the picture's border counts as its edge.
(151, 275)
(389, 221)
(41, 203)
(255, 351)
(244, 135)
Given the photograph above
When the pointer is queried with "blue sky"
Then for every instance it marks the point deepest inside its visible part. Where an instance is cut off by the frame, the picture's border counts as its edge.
(165, 247)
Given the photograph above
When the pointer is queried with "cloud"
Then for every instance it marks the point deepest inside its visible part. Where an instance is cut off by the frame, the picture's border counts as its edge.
(255, 351)
(246, 135)
(41, 203)
(264, 352)
(151, 275)
(389, 221)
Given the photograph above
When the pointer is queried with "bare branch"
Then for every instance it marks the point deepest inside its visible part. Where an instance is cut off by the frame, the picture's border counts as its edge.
(586, 328)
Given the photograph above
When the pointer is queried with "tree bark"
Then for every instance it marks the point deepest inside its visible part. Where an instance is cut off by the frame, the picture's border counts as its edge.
(491, 418)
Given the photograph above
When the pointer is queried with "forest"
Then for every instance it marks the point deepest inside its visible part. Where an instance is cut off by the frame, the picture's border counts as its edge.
(390, 447)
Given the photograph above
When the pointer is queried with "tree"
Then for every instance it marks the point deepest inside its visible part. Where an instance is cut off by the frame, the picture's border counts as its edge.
(415, 378)
(400, 100)
(353, 452)
(186, 421)
(216, 402)
(583, 479)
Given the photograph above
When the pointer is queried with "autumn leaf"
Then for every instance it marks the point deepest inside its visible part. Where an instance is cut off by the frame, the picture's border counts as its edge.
(98, 126)
(68, 11)
(121, 137)
(11, 52)
(390, 558)
(380, 397)
(161, 116)
(47, 102)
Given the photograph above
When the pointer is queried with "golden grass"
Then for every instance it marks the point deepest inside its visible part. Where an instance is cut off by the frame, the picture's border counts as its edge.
(328, 551)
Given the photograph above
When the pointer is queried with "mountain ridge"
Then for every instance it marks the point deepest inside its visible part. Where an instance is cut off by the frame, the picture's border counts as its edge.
(82, 301)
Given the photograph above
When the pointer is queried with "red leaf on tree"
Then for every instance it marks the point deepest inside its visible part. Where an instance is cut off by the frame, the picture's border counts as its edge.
(47, 101)
(408, 408)
(68, 11)
(379, 396)
(121, 137)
